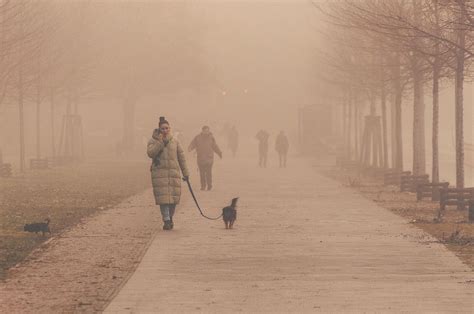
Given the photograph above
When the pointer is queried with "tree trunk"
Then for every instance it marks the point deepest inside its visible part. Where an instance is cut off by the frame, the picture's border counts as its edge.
(38, 119)
(21, 119)
(129, 123)
(435, 131)
(459, 103)
(20, 93)
(53, 141)
(419, 162)
(356, 128)
(383, 105)
(435, 122)
(349, 126)
(344, 126)
(398, 114)
(393, 138)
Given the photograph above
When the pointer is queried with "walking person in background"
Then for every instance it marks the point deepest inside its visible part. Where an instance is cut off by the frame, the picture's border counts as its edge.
(262, 137)
(233, 140)
(205, 146)
(281, 146)
(168, 161)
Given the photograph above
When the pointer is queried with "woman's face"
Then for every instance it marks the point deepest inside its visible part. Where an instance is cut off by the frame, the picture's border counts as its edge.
(165, 129)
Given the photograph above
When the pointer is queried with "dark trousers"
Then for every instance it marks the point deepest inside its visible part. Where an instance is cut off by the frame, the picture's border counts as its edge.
(205, 171)
(167, 211)
(282, 160)
(262, 160)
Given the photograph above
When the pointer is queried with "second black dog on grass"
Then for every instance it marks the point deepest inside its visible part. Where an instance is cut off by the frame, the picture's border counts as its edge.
(229, 214)
(36, 227)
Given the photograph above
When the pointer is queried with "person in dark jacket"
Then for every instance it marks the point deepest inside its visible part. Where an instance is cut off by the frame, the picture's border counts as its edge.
(281, 146)
(262, 137)
(205, 146)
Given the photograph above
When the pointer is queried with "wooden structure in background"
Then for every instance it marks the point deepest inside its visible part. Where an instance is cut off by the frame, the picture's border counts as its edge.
(394, 177)
(431, 190)
(5, 170)
(456, 197)
(39, 163)
(409, 183)
(371, 154)
(71, 145)
(315, 129)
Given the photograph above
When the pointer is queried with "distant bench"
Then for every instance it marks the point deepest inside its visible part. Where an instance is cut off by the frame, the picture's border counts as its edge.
(431, 190)
(60, 161)
(456, 197)
(39, 163)
(393, 177)
(471, 211)
(5, 170)
(409, 183)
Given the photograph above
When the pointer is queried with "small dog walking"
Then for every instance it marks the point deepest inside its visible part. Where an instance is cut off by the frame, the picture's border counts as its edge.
(229, 214)
(36, 227)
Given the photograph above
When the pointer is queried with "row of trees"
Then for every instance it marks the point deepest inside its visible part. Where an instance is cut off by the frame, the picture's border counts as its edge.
(61, 54)
(380, 51)
(39, 61)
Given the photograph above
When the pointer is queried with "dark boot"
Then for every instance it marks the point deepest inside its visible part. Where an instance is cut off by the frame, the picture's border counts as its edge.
(167, 225)
(171, 223)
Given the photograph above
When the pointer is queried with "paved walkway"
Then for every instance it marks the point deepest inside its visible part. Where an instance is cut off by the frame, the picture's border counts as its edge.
(302, 243)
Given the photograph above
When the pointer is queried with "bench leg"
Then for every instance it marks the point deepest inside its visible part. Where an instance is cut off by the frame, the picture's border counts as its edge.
(471, 212)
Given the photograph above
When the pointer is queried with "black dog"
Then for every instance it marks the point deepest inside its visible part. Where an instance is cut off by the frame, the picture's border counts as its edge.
(36, 227)
(229, 214)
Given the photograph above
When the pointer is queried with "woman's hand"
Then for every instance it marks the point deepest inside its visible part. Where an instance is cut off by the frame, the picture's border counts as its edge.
(157, 134)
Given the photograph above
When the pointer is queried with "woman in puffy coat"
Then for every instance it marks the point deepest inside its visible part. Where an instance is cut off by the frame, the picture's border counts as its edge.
(168, 164)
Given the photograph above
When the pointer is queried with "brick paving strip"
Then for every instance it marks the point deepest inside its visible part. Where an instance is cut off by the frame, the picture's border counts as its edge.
(302, 243)
(81, 269)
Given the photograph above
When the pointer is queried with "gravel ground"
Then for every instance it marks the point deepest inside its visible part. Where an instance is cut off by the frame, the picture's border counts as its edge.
(453, 230)
(66, 195)
(80, 269)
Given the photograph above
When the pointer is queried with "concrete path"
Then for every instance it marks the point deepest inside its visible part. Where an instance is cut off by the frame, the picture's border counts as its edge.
(302, 243)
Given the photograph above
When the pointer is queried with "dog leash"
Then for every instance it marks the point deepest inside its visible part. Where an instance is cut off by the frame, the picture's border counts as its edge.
(196, 202)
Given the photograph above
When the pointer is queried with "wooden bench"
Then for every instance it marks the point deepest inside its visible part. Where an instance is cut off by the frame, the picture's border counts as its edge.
(431, 190)
(454, 196)
(350, 164)
(471, 211)
(375, 172)
(39, 164)
(408, 183)
(5, 170)
(393, 177)
(60, 161)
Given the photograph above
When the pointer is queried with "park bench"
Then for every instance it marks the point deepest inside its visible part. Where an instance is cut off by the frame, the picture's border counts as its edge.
(408, 183)
(393, 177)
(376, 172)
(471, 211)
(350, 164)
(456, 196)
(60, 161)
(431, 190)
(38, 163)
(5, 170)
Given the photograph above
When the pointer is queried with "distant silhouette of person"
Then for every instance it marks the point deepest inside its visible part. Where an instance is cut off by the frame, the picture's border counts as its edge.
(205, 146)
(262, 137)
(233, 140)
(281, 146)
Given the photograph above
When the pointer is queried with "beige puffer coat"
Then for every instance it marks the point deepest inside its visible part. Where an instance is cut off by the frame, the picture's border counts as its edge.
(168, 163)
